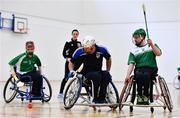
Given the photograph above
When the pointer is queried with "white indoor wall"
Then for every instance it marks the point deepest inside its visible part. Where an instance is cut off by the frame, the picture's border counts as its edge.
(111, 22)
(117, 38)
(69, 11)
(49, 38)
(129, 11)
(47, 31)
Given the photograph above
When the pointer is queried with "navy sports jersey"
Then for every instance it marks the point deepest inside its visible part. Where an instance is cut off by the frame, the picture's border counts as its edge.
(92, 62)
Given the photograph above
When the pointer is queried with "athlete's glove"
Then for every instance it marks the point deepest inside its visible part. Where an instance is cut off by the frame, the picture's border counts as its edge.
(71, 73)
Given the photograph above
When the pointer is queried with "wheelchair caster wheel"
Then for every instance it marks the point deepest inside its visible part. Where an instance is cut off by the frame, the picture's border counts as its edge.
(113, 109)
(29, 105)
(131, 109)
(152, 110)
(22, 99)
(164, 108)
(120, 108)
(99, 110)
(94, 108)
(42, 100)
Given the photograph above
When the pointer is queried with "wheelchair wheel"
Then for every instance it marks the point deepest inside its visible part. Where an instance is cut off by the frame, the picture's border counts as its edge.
(112, 95)
(10, 90)
(131, 108)
(165, 93)
(176, 83)
(46, 90)
(125, 93)
(72, 92)
(152, 110)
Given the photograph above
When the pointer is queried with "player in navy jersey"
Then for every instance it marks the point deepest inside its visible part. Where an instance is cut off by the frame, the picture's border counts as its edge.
(91, 55)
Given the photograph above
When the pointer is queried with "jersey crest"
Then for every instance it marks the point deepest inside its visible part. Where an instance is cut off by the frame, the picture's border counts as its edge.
(97, 55)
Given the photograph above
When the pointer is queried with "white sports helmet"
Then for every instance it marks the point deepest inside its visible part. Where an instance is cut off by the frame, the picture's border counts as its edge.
(88, 41)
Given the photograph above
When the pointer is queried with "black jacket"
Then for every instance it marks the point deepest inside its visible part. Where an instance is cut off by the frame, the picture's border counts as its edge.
(69, 48)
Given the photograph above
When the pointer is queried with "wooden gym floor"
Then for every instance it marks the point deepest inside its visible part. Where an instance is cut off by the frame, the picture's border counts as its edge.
(55, 109)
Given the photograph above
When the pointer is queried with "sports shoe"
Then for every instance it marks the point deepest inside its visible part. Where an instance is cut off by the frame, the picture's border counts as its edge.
(18, 82)
(145, 100)
(139, 100)
(61, 95)
(35, 95)
(102, 101)
(95, 101)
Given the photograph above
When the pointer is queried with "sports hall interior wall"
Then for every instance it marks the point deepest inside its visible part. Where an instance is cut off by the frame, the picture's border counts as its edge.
(111, 22)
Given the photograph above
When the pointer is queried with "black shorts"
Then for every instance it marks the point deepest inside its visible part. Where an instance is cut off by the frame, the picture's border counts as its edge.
(143, 71)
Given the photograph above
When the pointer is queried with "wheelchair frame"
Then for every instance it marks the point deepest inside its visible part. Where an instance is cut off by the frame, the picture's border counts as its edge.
(73, 93)
(20, 94)
(162, 98)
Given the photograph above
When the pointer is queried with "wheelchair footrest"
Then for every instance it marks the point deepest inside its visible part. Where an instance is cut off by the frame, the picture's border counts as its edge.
(84, 94)
(137, 105)
(36, 98)
(99, 105)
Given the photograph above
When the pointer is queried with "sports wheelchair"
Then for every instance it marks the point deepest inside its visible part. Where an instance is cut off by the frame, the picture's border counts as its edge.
(73, 93)
(11, 90)
(160, 97)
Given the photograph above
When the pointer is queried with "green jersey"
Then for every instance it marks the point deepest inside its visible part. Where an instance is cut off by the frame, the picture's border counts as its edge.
(24, 63)
(143, 57)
